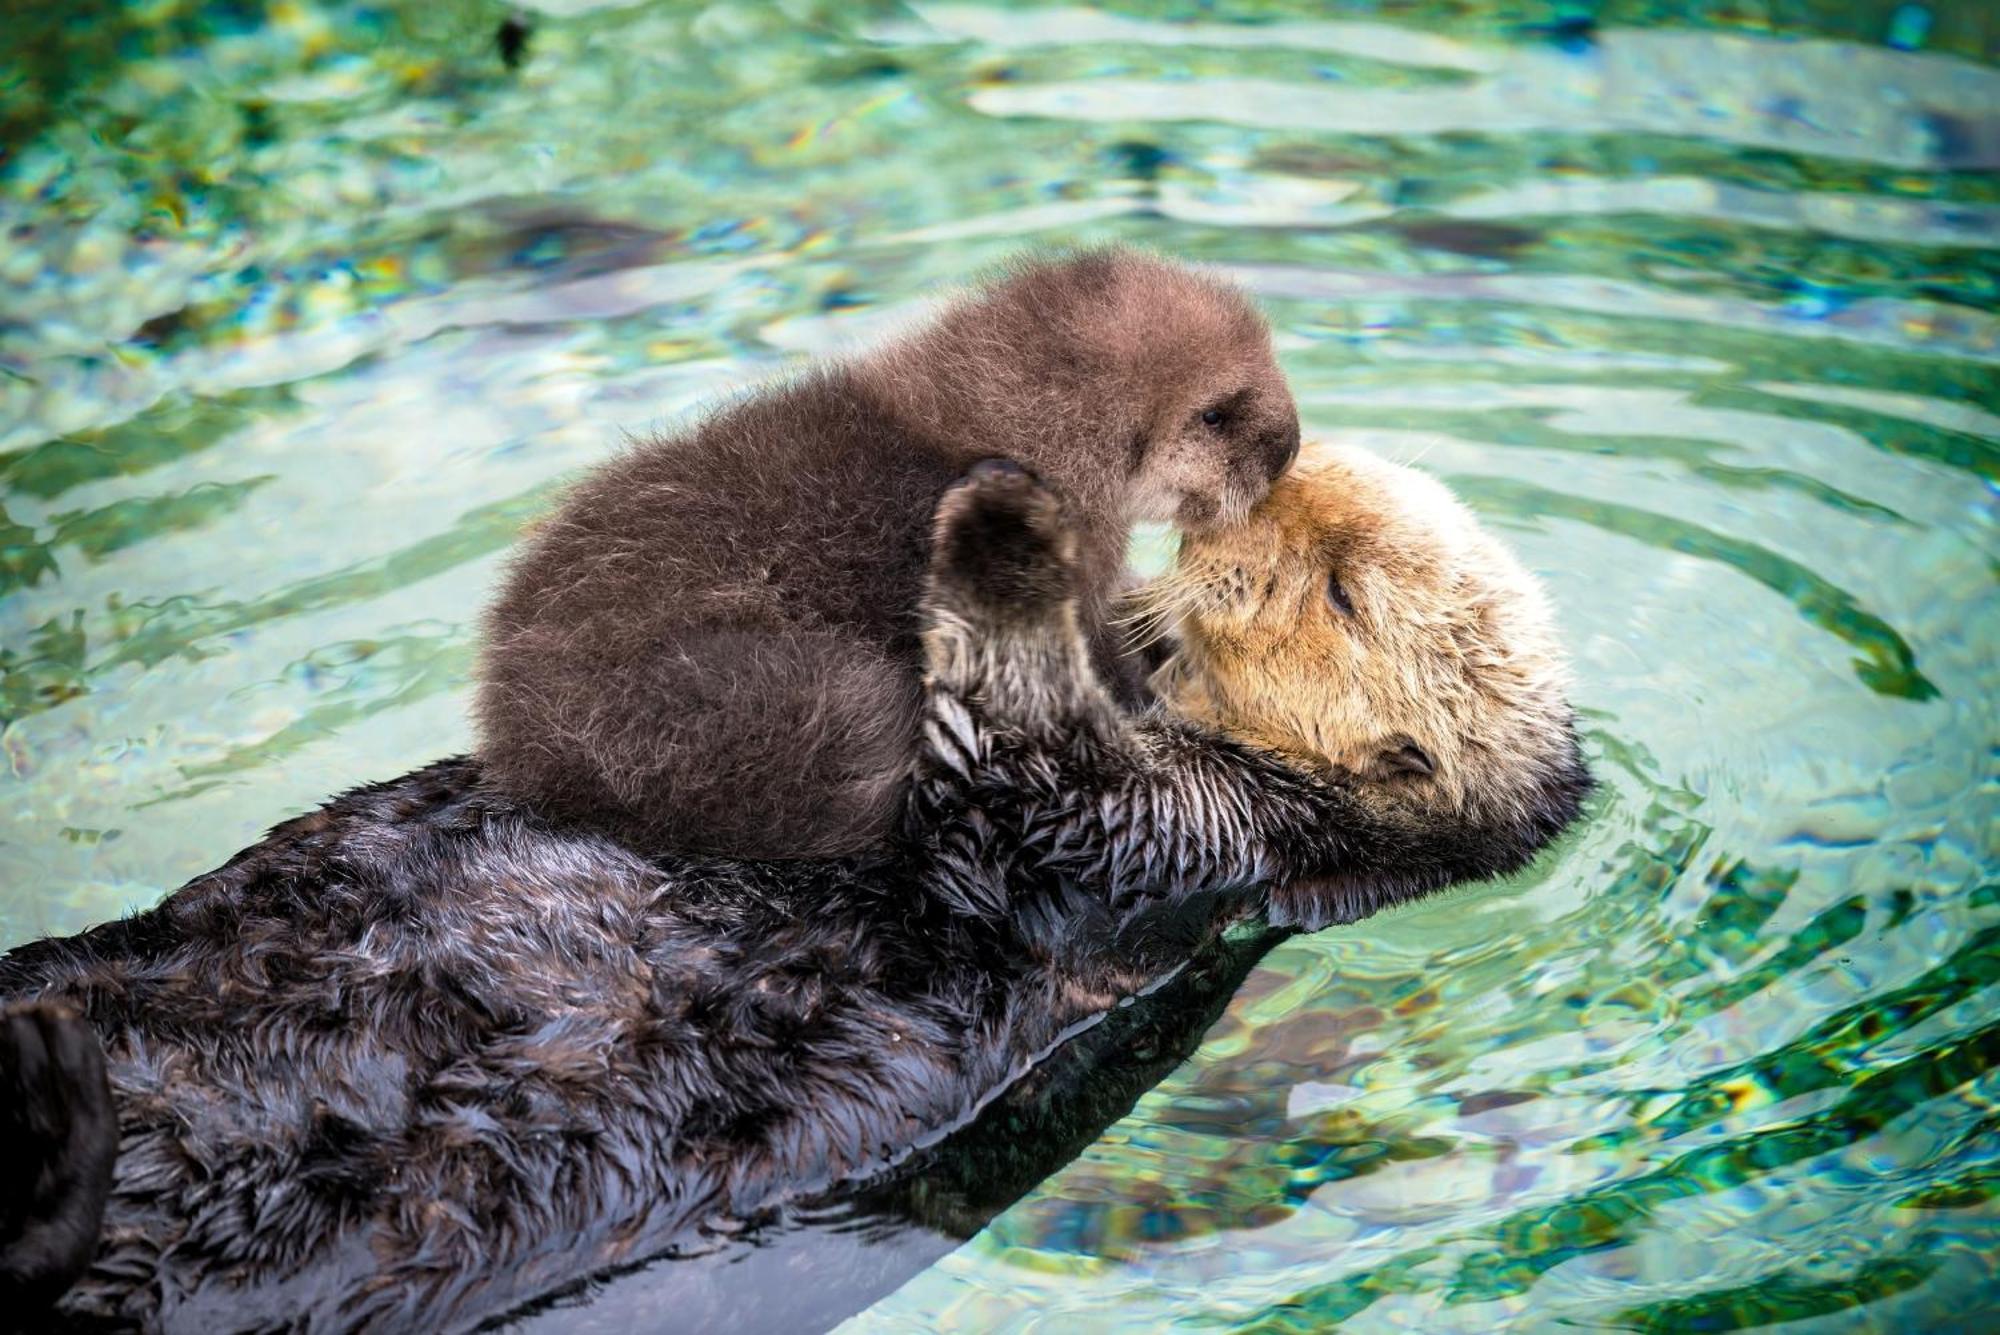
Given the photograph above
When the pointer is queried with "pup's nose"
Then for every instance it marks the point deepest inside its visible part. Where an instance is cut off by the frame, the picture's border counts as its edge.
(1281, 447)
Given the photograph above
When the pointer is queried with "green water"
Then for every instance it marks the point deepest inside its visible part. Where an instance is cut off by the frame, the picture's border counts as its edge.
(305, 310)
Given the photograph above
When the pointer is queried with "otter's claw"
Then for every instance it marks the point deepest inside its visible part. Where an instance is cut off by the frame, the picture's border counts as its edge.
(1000, 543)
(993, 470)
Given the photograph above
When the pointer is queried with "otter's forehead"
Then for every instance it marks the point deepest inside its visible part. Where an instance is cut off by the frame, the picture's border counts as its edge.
(1356, 495)
(1185, 323)
(1131, 292)
(1391, 488)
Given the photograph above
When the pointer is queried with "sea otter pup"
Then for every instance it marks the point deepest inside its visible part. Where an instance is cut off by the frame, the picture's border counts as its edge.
(713, 646)
(423, 1055)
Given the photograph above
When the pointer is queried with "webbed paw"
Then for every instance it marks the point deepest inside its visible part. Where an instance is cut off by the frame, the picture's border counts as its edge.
(1001, 544)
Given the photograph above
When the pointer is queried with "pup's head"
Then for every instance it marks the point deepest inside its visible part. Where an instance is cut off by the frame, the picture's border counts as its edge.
(1361, 623)
(1213, 419)
(1157, 370)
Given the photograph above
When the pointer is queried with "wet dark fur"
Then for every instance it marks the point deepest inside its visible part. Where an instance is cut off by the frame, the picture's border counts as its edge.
(733, 610)
(422, 1056)
(813, 1265)
(57, 1141)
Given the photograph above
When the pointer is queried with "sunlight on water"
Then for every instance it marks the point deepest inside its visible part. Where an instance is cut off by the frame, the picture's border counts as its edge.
(307, 313)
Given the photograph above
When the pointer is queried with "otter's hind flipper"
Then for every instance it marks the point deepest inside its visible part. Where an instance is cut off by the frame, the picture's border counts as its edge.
(58, 1138)
(1002, 630)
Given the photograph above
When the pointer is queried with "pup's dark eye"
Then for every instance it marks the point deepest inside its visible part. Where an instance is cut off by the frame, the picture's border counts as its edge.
(1337, 595)
(1213, 417)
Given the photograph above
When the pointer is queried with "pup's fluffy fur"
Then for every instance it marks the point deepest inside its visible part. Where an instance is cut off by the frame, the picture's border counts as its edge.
(731, 613)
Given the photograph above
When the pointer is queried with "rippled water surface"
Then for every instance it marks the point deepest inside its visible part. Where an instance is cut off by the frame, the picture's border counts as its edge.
(303, 313)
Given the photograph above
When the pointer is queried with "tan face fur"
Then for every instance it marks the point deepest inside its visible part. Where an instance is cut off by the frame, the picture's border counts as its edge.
(1360, 620)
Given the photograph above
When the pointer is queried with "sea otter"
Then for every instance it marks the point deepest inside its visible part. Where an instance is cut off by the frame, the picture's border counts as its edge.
(424, 1055)
(1436, 675)
(731, 611)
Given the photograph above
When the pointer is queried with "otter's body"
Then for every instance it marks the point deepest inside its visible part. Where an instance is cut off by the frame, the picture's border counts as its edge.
(714, 646)
(419, 1058)
(423, 1056)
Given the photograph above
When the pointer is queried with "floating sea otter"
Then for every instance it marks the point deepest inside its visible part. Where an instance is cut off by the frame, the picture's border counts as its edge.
(423, 1056)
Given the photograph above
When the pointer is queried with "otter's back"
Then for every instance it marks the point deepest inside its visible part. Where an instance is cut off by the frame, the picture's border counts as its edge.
(711, 647)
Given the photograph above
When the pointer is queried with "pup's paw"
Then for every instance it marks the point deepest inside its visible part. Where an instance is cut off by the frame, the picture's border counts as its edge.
(58, 1138)
(1001, 542)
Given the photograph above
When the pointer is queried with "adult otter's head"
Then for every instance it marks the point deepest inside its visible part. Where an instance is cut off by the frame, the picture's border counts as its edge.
(1361, 623)
(1109, 368)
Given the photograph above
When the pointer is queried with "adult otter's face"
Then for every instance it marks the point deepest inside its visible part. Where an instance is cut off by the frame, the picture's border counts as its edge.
(1360, 620)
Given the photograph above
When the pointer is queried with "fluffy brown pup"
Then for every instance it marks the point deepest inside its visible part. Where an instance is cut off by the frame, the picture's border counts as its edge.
(713, 646)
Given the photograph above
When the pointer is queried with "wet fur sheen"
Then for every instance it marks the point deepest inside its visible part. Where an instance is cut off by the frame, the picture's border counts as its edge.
(422, 1056)
(734, 609)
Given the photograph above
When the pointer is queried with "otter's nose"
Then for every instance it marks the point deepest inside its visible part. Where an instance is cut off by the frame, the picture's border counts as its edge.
(1281, 447)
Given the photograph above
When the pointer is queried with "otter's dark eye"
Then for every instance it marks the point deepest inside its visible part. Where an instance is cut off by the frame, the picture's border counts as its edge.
(1213, 417)
(1337, 595)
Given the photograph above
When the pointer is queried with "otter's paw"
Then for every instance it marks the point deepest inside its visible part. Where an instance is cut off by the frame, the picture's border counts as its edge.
(1000, 543)
(58, 1138)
